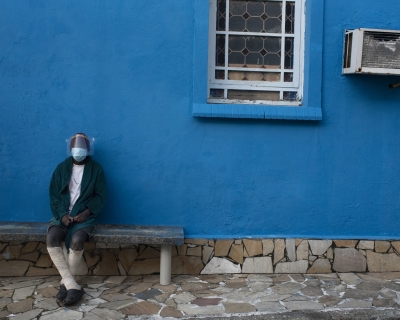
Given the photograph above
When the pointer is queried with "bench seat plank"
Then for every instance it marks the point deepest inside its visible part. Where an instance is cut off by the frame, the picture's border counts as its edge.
(108, 233)
(158, 235)
(23, 231)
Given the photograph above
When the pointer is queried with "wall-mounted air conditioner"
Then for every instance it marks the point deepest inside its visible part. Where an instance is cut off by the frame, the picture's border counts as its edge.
(371, 51)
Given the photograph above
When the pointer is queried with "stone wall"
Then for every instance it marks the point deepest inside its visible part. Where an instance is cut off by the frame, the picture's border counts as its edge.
(201, 256)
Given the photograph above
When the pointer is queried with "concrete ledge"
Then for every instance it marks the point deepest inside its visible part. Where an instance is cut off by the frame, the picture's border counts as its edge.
(23, 231)
(108, 233)
(157, 235)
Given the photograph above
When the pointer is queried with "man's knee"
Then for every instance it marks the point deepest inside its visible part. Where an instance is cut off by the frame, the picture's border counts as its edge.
(78, 240)
(55, 236)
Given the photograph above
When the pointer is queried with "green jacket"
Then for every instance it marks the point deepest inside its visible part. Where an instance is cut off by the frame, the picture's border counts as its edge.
(93, 194)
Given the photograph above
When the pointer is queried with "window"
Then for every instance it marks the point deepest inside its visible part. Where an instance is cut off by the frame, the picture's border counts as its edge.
(299, 98)
(256, 51)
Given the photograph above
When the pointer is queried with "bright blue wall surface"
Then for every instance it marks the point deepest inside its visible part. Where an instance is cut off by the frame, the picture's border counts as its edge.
(123, 72)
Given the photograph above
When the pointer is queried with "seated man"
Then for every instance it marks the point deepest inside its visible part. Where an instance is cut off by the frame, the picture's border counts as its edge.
(77, 195)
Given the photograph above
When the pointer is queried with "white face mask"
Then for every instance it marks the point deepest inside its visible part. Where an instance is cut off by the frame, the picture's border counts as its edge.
(78, 154)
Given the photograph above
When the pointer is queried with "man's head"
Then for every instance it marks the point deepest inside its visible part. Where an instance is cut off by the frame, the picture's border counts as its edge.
(79, 146)
(80, 140)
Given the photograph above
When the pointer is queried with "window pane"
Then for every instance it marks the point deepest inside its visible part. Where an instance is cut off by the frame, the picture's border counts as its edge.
(237, 23)
(273, 77)
(217, 93)
(237, 8)
(219, 74)
(289, 53)
(254, 52)
(255, 16)
(221, 15)
(254, 76)
(273, 17)
(220, 50)
(290, 96)
(274, 9)
(289, 21)
(288, 77)
(254, 24)
(253, 95)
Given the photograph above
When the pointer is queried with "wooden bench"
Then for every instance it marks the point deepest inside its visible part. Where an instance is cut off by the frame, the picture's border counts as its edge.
(166, 236)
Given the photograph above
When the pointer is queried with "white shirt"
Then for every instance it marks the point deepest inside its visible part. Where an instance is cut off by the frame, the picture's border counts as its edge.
(75, 184)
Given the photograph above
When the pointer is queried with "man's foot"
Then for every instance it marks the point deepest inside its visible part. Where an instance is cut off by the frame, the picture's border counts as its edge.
(62, 293)
(73, 295)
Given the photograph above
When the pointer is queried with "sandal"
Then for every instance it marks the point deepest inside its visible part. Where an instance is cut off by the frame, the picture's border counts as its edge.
(62, 293)
(73, 296)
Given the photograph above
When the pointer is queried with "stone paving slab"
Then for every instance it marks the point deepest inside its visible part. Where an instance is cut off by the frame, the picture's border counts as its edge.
(61, 314)
(269, 306)
(47, 304)
(32, 314)
(117, 305)
(207, 296)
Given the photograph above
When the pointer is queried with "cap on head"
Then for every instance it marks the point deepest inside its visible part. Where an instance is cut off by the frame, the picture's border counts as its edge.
(80, 140)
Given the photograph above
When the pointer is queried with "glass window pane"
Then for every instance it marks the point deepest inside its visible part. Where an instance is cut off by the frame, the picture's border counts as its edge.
(219, 74)
(254, 52)
(272, 60)
(289, 53)
(273, 20)
(273, 9)
(253, 95)
(272, 77)
(217, 93)
(273, 25)
(254, 76)
(290, 96)
(220, 50)
(288, 77)
(255, 16)
(289, 21)
(237, 23)
(221, 15)
(272, 44)
(237, 8)
(255, 8)
(254, 24)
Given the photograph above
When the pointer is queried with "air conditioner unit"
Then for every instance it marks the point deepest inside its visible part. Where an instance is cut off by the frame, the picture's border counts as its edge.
(371, 51)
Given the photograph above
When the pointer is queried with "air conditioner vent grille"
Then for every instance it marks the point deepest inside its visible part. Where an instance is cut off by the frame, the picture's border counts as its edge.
(381, 50)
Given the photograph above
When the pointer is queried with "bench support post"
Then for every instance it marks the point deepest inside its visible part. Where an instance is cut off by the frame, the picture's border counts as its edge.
(165, 265)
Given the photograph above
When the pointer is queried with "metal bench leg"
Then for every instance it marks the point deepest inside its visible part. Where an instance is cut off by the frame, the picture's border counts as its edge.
(165, 265)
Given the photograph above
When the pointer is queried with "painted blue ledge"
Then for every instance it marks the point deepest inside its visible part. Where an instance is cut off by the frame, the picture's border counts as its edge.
(256, 111)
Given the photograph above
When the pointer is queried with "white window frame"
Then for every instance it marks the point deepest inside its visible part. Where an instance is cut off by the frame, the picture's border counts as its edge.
(298, 62)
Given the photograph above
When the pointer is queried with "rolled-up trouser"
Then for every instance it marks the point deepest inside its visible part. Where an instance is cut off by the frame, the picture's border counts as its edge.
(56, 235)
(66, 266)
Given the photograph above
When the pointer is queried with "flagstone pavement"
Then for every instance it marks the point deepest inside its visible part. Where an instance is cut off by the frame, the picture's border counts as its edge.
(212, 296)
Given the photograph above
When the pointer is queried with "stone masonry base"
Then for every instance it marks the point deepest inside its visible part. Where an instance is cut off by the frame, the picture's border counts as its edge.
(201, 256)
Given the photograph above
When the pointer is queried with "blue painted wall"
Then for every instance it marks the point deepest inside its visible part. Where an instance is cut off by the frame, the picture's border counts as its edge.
(123, 72)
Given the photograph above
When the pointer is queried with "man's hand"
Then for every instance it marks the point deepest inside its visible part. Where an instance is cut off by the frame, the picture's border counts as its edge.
(82, 216)
(67, 220)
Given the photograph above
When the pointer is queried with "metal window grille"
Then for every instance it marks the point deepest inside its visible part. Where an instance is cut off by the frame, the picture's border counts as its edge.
(256, 51)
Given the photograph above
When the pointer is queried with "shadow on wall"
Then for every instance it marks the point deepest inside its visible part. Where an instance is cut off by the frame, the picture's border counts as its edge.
(258, 122)
(374, 88)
